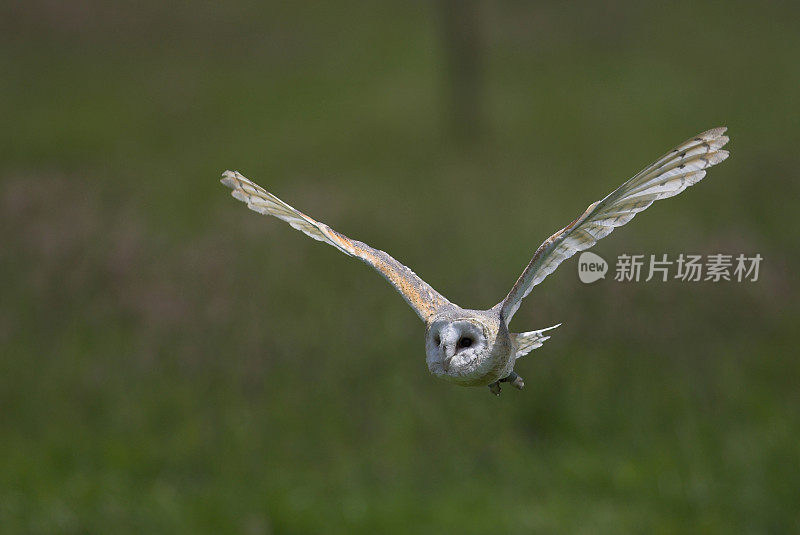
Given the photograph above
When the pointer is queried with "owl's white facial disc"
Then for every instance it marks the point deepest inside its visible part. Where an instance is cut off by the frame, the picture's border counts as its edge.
(455, 348)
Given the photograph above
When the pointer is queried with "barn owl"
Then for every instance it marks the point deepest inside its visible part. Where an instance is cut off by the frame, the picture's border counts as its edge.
(475, 347)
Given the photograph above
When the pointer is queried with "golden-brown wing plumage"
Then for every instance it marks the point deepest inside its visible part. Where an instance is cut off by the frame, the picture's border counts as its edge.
(680, 168)
(417, 293)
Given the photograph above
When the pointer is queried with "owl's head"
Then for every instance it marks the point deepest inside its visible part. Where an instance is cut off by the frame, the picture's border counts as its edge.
(456, 348)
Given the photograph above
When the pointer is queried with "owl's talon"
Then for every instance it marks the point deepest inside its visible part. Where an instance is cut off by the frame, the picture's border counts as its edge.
(515, 380)
(495, 388)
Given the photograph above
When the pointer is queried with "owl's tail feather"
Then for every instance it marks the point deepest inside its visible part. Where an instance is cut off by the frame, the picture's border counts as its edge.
(527, 342)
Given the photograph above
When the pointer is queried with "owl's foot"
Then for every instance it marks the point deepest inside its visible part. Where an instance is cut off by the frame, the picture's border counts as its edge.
(515, 380)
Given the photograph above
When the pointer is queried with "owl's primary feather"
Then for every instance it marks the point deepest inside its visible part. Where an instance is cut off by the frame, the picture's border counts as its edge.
(680, 168)
(417, 293)
(474, 347)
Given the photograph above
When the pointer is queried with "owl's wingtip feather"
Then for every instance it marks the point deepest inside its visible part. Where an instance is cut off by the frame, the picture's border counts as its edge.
(229, 178)
(714, 133)
(718, 157)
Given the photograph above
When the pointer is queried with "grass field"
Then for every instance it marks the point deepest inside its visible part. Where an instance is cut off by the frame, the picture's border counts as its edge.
(173, 363)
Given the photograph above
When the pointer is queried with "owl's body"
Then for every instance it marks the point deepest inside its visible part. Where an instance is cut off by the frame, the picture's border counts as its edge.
(474, 347)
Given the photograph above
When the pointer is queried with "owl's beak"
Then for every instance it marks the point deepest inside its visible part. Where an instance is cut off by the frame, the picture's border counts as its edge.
(449, 353)
(446, 364)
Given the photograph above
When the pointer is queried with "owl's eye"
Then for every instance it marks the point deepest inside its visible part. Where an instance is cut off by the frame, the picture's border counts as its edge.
(437, 340)
(464, 341)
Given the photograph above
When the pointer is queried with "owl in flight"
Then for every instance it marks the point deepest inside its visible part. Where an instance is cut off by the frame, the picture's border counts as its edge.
(474, 347)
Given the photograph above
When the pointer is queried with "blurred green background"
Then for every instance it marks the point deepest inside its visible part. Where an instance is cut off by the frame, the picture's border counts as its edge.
(173, 363)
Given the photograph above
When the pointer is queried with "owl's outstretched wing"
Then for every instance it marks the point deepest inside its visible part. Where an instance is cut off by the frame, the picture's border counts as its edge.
(417, 293)
(680, 168)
